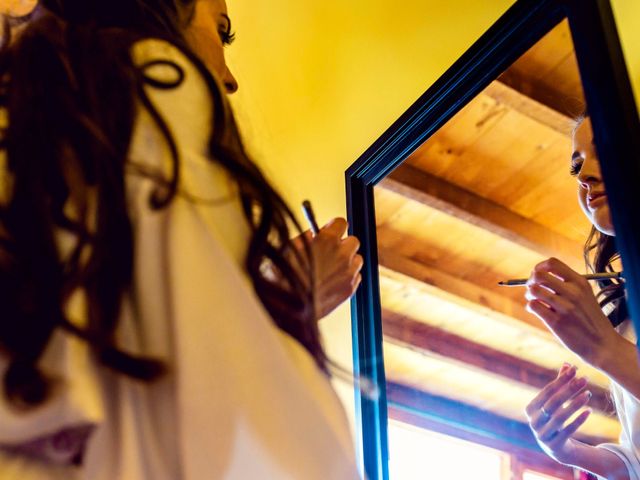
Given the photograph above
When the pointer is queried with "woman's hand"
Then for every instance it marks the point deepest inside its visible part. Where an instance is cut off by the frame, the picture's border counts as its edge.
(336, 264)
(565, 302)
(552, 407)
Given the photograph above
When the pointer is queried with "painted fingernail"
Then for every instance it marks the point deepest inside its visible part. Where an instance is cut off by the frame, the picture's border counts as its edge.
(579, 382)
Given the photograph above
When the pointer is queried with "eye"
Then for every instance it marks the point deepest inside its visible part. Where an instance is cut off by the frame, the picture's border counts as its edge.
(224, 30)
(226, 36)
(576, 165)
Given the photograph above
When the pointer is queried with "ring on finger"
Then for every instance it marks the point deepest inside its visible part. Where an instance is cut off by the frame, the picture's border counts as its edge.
(544, 415)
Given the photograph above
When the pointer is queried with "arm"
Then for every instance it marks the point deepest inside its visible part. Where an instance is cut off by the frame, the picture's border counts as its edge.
(619, 361)
(600, 461)
(565, 302)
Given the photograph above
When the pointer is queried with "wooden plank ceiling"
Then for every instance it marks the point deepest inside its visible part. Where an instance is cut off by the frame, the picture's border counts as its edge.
(483, 200)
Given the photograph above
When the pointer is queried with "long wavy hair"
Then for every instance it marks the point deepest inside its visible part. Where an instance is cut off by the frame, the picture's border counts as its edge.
(71, 90)
(600, 254)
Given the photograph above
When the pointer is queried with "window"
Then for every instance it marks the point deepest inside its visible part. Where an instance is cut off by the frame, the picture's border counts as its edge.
(531, 475)
(418, 454)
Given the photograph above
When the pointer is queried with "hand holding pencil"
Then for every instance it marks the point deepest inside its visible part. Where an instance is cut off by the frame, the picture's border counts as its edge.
(566, 303)
(337, 263)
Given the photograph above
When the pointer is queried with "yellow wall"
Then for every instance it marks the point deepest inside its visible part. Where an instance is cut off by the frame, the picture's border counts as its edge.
(320, 80)
(627, 13)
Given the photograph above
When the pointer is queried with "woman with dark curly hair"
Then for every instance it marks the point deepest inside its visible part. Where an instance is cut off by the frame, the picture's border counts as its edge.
(564, 300)
(157, 320)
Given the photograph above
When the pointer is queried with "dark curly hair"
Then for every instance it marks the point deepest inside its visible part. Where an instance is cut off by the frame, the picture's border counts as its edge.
(600, 253)
(71, 90)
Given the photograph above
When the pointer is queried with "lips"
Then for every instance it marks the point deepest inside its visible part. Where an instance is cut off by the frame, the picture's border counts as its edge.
(594, 199)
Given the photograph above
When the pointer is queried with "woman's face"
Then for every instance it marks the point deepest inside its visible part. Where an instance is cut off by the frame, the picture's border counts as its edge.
(207, 34)
(586, 168)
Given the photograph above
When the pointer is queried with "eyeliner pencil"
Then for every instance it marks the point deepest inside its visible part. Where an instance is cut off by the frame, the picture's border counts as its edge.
(311, 218)
(518, 282)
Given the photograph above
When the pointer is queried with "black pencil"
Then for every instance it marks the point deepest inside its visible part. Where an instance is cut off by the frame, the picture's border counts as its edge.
(311, 218)
(518, 282)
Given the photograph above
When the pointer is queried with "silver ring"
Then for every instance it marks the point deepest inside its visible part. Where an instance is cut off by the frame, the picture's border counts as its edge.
(545, 416)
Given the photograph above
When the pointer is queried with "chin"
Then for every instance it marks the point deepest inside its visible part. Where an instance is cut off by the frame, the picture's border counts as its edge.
(607, 230)
(602, 221)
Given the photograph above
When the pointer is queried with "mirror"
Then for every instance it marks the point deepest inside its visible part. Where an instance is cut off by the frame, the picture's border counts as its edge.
(484, 199)
(470, 187)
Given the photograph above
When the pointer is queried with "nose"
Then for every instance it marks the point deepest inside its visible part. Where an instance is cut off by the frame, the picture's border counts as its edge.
(230, 82)
(589, 172)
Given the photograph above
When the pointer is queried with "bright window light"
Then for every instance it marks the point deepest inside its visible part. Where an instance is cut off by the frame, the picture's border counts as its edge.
(418, 454)
(529, 475)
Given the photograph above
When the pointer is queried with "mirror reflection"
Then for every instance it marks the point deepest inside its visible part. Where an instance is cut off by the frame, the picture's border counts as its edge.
(485, 199)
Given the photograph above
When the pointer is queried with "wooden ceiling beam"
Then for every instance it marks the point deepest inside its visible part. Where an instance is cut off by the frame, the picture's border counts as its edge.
(463, 421)
(542, 93)
(434, 192)
(528, 454)
(530, 107)
(419, 336)
(468, 295)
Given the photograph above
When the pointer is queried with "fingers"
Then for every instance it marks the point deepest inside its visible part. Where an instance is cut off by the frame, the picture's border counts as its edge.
(337, 266)
(555, 266)
(565, 366)
(545, 285)
(356, 283)
(543, 311)
(299, 241)
(556, 403)
(346, 285)
(335, 228)
(349, 246)
(570, 389)
(356, 264)
(557, 419)
(555, 302)
(572, 428)
(549, 390)
(547, 280)
(559, 401)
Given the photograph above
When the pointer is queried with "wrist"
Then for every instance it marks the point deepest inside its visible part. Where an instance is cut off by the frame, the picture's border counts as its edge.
(598, 461)
(572, 454)
(613, 354)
